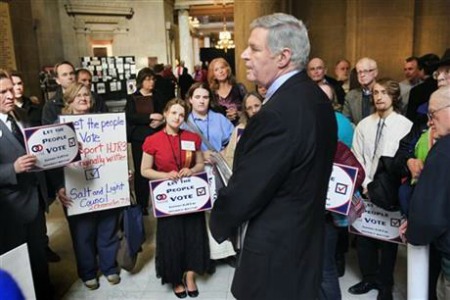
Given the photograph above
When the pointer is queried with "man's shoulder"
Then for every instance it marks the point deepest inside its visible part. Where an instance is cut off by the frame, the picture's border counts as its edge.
(353, 94)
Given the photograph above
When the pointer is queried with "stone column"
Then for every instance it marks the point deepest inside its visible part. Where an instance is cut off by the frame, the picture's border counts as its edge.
(196, 52)
(207, 42)
(244, 13)
(186, 48)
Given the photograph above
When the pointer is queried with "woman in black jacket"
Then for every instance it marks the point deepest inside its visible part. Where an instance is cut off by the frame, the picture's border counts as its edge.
(144, 117)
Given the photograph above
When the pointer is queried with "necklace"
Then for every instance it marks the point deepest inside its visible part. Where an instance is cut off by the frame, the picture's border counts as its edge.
(174, 156)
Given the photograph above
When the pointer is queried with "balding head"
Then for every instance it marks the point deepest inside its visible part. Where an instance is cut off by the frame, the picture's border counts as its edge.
(367, 71)
(439, 112)
(316, 69)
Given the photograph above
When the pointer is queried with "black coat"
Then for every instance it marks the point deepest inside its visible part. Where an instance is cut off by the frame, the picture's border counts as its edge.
(428, 220)
(419, 95)
(282, 166)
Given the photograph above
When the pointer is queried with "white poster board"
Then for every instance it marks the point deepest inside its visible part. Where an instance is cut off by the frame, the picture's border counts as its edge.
(183, 196)
(378, 223)
(17, 263)
(53, 145)
(100, 180)
(341, 188)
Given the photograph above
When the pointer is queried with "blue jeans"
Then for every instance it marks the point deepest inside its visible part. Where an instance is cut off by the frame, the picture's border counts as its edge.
(95, 234)
(329, 288)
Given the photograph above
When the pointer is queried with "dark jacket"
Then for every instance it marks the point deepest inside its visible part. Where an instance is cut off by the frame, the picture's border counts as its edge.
(429, 210)
(52, 108)
(138, 123)
(282, 166)
(33, 111)
(419, 95)
(383, 190)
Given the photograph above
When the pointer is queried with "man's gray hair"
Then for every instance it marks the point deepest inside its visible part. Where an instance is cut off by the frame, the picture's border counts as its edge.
(286, 31)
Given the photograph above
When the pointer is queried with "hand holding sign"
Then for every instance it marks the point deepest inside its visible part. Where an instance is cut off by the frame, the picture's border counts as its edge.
(24, 163)
(185, 172)
(62, 196)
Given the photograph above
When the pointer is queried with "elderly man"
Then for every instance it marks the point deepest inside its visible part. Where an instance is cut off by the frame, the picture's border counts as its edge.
(317, 72)
(442, 74)
(281, 170)
(430, 203)
(21, 192)
(342, 72)
(357, 104)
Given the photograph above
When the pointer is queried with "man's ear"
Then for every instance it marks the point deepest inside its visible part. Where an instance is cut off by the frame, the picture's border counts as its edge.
(284, 58)
(57, 81)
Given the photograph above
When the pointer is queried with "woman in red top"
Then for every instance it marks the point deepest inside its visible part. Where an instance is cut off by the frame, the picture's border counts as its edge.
(182, 247)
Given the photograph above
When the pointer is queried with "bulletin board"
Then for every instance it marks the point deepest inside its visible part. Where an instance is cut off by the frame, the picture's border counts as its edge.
(113, 77)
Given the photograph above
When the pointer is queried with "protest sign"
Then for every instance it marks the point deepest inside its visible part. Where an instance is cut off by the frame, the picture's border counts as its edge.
(378, 223)
(182, 196)
(54, 145)
(341, 188)
(99, 181)
(17, 263)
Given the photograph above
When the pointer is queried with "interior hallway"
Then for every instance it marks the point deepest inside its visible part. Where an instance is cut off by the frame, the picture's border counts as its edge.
(143, 284)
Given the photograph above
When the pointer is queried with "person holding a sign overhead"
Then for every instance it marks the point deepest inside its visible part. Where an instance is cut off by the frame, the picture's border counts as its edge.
(143, 112)
(95, 233)
(181, 241)
(22, 193)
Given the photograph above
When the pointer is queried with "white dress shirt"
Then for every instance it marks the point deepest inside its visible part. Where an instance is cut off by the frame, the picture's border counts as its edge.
(394, 129)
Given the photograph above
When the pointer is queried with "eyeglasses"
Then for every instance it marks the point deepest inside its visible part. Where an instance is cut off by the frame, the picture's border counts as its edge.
(431, 114)
(365, 72)
(445, 72)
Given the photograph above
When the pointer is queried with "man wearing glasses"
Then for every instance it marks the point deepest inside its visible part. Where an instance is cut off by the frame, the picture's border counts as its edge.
(430, 203)
(442, 74)
(357, 104)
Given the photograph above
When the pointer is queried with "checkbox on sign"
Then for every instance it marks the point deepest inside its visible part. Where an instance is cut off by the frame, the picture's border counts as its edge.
(91, 174)
(72, 142)
(341, 188)
(395, 222)
(201, 191)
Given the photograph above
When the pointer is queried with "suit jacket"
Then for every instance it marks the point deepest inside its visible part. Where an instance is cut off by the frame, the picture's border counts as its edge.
(282, 165)
(19, 193)
(419, 95)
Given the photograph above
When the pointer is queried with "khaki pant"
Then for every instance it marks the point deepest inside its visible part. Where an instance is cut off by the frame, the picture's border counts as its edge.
(443, 288)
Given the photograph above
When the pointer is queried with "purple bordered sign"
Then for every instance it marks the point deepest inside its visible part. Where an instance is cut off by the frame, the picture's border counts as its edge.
(53, 145)
(340, 188)
(183, 196)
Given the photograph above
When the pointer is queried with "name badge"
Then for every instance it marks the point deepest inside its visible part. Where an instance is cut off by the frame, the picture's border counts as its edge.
(188, 145)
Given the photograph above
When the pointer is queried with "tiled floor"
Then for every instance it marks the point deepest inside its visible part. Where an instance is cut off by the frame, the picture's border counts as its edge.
(143, 284)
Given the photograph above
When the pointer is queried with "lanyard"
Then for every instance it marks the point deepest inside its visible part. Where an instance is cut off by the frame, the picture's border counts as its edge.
(177, 162)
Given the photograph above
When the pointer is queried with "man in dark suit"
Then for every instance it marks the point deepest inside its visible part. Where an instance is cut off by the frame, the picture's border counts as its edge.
(21, 192)
(282, 166)
(420, 94)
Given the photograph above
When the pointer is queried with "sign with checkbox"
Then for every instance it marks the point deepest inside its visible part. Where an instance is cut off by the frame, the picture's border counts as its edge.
(340, 188)
(378, 223)
(99, 181)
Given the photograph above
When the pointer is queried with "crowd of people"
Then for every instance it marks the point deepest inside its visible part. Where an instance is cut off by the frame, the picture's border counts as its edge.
(280, 140)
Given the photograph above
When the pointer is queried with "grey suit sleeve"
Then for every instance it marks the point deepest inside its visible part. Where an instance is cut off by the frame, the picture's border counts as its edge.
(7, 174)
(346, 110)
